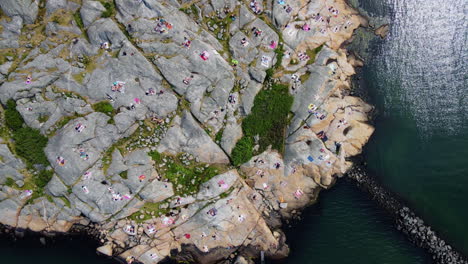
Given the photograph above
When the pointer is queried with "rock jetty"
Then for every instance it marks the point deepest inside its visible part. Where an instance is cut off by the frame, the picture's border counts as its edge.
(406, 220)
(174, 129)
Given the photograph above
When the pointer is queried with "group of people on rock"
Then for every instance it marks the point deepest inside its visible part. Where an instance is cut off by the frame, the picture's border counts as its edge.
(162, 26)
(255, 6)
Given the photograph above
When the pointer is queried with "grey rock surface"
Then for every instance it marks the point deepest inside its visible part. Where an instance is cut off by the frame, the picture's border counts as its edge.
(26, 9)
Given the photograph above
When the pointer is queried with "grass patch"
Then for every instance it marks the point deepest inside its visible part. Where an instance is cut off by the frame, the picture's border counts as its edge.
(9, 182)
(78, 20)
(29, 143)
(242, 151)
(42, 178)
(104, 107)
(43, 118)
(219, 136)
(185, 178)
(155, 209)
(124, 175)
(110, 8)
(268, 120)
(313, 53)
(66, 201)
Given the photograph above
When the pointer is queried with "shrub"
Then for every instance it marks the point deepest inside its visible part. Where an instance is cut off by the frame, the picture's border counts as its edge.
(268, 120)
(42, 178)
(124, 175)
(269, 117)
(30, 144)
(104, 107)
(110, 9)
(9, 182)
(243, 151)
(13, 118)
(156, 156)
(78, 19)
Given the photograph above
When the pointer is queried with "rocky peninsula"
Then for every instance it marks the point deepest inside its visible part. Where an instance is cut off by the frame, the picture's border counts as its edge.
(174, 128)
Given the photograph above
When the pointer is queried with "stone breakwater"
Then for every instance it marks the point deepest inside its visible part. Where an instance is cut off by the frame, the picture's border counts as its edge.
(406, 220)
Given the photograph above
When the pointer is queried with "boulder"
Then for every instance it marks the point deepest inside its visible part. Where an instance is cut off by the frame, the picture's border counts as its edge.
(90, 11)
(26, 9)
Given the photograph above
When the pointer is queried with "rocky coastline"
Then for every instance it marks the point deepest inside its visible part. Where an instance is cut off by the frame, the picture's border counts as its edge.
(184, 130)
(406, 220)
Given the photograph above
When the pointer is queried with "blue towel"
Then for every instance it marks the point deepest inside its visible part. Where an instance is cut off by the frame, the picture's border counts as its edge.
(310, 158)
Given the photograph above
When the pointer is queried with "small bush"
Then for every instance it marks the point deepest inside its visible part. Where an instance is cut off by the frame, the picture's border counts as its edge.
(9, 182)
(243, 151)
(110, 9)
(30, 144)
(42, 178)
(78, 20)
(124, 175)
(104, 107)
(268, 120)
(156, 156)
(13, 118)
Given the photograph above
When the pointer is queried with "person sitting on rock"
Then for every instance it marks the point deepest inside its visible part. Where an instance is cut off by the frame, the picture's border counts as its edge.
(258, 32)
(85, 189)
(60, 161)
(306, 27)
(161, 92)
(205, 55)
(212, 212)
(187, 80)
(241, 218)
(277, 165)
(150, 91)
(244, 42)
(187, 42)
(130, 259)
(232, 99)
(105, 45)
(141, 178)
(28, 79)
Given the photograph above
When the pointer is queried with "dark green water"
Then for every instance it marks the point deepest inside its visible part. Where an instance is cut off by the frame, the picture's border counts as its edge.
(346, 227)
(417, 78)
(78, 250)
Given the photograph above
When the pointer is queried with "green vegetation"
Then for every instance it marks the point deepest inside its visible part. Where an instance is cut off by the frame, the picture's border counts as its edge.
(124, 175)
(104, 107)
(78, 20)
(219, 136)
(9, 182)
(268, 120)
(13, 118)
(42, 178)
(243, 151)
(155, 209)
(186, 178)
(313, 53)
(66, 201)
(110, 8)
(29, 143)
(43, 118)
